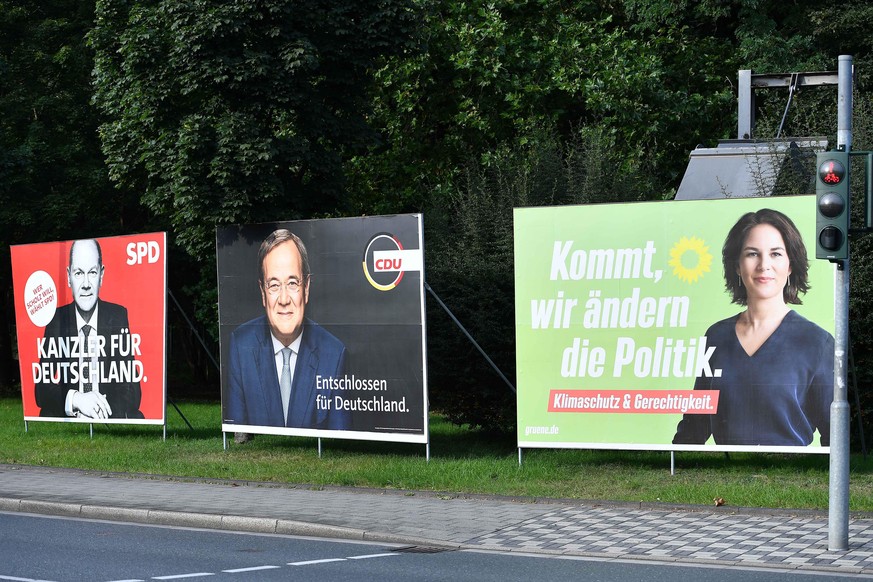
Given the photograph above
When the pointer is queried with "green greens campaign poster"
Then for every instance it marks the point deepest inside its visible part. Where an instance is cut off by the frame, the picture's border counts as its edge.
(680, 325)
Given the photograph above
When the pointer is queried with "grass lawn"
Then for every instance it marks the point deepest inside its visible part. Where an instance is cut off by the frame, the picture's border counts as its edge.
(462, 461)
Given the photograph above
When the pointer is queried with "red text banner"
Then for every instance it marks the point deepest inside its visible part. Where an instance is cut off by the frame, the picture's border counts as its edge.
(639, 401)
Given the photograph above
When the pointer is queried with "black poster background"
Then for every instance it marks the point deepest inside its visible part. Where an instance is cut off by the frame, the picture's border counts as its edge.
(383, 331)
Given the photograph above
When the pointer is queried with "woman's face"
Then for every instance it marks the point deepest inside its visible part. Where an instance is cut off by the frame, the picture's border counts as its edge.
(764, 266)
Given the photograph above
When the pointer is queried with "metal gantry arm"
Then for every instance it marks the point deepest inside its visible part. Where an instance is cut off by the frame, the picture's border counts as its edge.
(748, 82)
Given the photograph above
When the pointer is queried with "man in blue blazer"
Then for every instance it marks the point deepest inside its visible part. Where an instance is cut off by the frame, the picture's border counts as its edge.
(278, 359)
(87, 321)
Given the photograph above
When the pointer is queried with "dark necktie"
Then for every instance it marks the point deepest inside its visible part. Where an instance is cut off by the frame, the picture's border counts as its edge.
(86, 384)
(285, 381)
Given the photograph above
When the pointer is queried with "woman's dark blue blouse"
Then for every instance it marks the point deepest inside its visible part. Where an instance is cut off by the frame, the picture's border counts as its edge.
(778, 397)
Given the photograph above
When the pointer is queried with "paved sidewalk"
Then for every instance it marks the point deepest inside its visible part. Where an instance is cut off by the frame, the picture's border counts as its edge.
(724, 536)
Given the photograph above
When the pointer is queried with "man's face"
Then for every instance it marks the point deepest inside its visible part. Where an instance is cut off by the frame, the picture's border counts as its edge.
(284, 293)
(85, 275)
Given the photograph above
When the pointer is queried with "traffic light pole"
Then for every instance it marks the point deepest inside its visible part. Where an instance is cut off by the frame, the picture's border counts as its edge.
(838, 509)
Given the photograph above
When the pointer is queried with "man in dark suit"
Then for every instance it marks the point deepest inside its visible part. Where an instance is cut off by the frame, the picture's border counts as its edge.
(83, 343)
(277, 359)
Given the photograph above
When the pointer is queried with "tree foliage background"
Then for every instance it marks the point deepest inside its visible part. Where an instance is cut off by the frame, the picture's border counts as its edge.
(119, 116)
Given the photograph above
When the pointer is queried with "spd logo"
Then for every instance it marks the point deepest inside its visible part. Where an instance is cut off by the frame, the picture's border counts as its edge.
(385, 261)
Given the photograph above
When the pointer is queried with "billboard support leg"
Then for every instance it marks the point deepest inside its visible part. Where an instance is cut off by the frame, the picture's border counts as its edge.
(91, 430)
(170, 400)
(519, 456)
(672, 463)
(469, 337)
(193, 330)
(319, 447)
(25, 426)
(202, 344)
(224, 440)
(427, 452)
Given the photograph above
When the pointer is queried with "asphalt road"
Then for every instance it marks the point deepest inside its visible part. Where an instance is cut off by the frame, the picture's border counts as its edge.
(57, 549)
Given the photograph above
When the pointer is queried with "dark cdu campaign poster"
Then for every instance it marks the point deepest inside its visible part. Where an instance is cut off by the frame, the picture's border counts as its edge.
(91, 321)
(322, 328)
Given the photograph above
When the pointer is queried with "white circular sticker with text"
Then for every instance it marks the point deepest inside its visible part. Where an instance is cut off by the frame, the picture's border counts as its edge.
(40, 298)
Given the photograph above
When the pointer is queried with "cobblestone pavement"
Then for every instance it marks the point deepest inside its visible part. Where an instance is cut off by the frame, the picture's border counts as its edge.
(721, 536)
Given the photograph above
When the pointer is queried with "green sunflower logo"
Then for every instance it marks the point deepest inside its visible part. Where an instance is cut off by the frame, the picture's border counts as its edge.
(690, 259)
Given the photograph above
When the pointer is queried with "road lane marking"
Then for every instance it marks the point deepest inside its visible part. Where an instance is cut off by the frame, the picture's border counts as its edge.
(309, 562)
(252, 569)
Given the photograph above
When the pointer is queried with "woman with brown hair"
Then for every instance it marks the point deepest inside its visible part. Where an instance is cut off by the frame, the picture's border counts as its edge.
(776, 382)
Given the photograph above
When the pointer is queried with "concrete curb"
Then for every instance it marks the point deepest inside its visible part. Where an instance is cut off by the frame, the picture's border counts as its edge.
(210, 521)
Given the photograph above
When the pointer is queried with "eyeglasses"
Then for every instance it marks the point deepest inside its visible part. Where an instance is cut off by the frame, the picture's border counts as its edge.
(293, 287)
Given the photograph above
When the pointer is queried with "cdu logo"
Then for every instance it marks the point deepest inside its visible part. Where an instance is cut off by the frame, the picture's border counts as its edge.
(385, 261)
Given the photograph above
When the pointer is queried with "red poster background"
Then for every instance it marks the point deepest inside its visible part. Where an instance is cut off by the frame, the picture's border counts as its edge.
(140, 287)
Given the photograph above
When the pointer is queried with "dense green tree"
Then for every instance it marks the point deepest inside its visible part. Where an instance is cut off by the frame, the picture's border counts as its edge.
(655, 76)
(459, 115)
(53, 182)
(488, 72)
(469, 246)
(248, 110)
(238, 110)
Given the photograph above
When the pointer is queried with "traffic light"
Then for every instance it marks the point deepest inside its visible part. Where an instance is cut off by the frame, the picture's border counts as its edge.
(832, 205)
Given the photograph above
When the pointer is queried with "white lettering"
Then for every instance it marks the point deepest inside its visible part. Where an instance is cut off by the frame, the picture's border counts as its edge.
(599, 264)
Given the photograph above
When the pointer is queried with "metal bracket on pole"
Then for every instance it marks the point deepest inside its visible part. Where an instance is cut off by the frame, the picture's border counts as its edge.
(748, 82)
(795, 77)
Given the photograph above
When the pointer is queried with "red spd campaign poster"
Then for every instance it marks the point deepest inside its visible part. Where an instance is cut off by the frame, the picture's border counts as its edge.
(91, 319)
